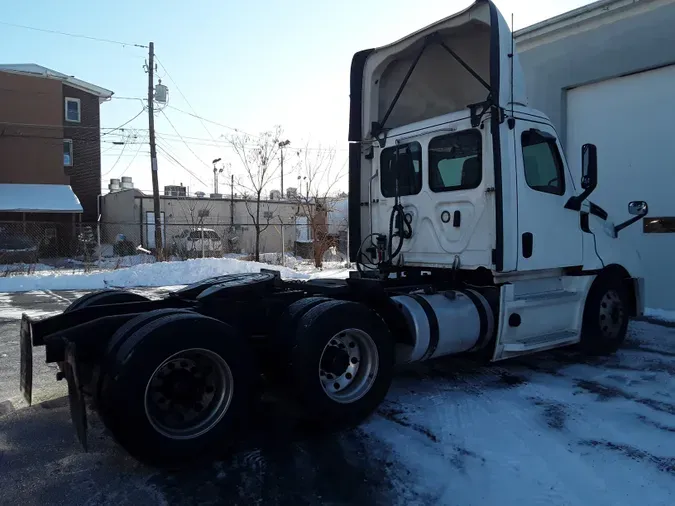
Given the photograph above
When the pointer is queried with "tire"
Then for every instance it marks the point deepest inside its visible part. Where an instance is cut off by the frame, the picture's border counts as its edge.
(328, 337)
(101, 298)
(274, 352)
(109, 360)
(137, 401)
(105, 297)
(230, 285)
(606, 315)
(290, 318)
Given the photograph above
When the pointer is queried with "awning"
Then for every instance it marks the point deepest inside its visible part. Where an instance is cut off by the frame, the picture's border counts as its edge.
(38, 198)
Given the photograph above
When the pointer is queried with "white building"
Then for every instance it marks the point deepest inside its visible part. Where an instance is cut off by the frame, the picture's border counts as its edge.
(605, 74)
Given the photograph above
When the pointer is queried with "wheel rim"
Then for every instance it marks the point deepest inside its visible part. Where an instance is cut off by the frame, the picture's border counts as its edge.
(612, 315)
(348, 366)
(189, 393)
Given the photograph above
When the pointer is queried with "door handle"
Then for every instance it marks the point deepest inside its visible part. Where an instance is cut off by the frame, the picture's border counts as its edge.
(456, 219)
(528, 244)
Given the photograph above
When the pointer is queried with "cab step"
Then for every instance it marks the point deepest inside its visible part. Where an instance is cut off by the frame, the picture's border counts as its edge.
(553, 298)
(552, 340)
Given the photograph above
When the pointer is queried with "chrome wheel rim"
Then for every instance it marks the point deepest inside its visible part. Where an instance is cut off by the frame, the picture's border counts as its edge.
(612, 315)
(188, 394)
(348, 366)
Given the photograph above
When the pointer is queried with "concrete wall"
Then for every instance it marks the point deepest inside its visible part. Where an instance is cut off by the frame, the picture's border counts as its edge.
(182, 213)
(643, 38)
(31, 154)
(120, 215)
(126, 212)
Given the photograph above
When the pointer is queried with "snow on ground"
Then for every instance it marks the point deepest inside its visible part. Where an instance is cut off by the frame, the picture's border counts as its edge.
(554, 428)
(666, 315)
(8, 311)
(155, 274)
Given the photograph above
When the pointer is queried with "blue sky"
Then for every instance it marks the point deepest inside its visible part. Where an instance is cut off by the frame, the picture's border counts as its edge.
(248, 65)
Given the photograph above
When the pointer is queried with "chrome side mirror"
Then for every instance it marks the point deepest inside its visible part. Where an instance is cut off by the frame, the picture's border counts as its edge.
(638, 208)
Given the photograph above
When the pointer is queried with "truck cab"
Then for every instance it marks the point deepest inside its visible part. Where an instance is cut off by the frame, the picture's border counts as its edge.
(452, 171)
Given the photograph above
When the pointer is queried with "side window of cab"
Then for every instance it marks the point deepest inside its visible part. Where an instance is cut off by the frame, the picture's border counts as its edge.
(542, 163)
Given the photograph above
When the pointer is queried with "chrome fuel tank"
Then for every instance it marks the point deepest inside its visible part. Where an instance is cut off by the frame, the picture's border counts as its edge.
(444, 323)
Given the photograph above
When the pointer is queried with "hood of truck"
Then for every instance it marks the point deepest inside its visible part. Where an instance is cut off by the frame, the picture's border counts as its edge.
(438, 84)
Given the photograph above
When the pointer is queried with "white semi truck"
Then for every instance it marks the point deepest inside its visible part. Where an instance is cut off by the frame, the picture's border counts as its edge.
(470, 233)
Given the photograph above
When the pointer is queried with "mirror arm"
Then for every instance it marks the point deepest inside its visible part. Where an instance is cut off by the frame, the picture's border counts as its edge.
(575, 201)
(618, 228)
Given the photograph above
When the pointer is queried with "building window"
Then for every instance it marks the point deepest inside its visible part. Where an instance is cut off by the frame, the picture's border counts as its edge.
(73, 109)
(658, 225)
(542, 163)
(455, 161)
(68, 152)
(401, 170)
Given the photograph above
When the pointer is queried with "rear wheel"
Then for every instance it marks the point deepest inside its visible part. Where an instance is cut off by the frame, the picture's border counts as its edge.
(275, 352)
(100, 298)
(341, 363)
(605, 321)
(181, 388)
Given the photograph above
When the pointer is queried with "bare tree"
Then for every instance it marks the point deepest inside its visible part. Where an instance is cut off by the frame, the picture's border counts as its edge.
(319, 181)
(258, 156)
(195, 212)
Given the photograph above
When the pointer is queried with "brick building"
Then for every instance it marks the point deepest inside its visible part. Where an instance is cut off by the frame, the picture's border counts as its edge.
(50, 156)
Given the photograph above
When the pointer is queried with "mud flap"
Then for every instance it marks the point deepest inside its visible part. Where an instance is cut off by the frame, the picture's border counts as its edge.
(78, 410)
(26, 365)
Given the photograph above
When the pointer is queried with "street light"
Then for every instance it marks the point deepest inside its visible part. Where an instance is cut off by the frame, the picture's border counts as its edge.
(282, 145)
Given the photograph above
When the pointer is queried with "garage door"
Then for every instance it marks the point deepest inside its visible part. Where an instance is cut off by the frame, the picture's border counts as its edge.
(631, 120)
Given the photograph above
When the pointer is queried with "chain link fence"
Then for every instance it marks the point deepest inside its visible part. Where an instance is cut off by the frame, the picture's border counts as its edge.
(27, 247)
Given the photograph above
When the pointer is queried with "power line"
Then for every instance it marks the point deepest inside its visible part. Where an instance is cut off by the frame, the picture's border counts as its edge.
(211, 121)
(37, 125)
(127, 139)
(75, 35)
(125, 123)
(140, 145)
(184, 97)
(171, 158)
(225, 144)
(116, 161)
(186, 144)
(115, 97)
(125, 155)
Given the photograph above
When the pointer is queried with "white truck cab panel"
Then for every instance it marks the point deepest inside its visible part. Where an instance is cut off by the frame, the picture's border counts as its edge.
(459, 65)
(452, 172)
(447, 197)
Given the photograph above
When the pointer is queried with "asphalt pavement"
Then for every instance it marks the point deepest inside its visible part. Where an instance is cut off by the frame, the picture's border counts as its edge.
(554, 429)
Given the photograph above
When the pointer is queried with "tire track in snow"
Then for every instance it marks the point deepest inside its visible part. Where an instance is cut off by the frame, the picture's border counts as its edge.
(58, 297)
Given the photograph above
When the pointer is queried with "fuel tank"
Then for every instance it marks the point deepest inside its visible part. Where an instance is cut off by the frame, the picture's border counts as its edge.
(444, 323)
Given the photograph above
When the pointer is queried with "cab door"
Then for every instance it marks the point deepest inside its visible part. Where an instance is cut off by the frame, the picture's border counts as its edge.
(549, 236)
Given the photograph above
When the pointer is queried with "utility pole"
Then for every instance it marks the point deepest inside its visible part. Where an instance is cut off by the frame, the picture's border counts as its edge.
(232, 202)
(153, 151)
(282, 145)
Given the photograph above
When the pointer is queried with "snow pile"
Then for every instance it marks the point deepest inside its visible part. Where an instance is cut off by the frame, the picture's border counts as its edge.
(275, 259)
(126, 261)
(667, 315)
(155, 274)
